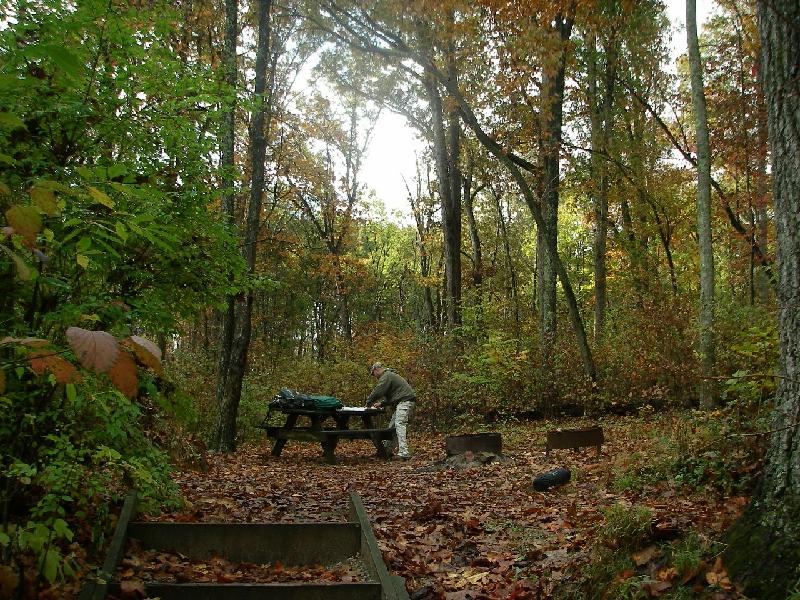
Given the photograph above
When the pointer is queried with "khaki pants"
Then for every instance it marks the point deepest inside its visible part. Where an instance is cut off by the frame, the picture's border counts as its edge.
(400, 419)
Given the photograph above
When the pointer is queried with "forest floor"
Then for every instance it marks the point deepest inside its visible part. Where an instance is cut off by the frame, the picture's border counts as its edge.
(483, 532)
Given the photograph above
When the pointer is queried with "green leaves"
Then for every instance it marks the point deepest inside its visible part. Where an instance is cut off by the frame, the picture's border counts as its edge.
(64, 59)
(24, 272)
(10, 121)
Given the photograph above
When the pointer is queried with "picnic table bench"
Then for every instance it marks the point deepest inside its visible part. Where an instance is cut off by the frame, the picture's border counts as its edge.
(328, 437)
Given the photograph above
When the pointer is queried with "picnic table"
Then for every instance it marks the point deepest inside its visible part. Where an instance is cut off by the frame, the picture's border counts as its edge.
(328, 437)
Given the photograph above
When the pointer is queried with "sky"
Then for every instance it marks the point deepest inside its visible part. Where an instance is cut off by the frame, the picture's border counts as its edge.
(392, 154)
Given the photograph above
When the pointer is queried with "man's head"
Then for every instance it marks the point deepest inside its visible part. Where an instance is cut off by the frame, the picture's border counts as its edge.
(376, 370)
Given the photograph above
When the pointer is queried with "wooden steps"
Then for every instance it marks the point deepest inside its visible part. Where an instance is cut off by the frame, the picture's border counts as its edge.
(291, 544)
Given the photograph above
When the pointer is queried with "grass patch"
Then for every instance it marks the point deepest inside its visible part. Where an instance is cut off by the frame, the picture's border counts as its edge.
(625, 527)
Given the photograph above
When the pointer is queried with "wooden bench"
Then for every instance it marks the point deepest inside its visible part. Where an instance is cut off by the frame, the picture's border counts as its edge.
(329, 437)
(575, 438)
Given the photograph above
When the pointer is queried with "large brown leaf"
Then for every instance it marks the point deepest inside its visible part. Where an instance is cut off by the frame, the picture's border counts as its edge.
(123, 375)
(45, 361)
(147, 353)
(95, 350)
(2, 381)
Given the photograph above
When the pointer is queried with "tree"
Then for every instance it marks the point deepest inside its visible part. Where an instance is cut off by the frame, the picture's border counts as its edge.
(227, 152)
(328, 199)
(228, 406)
(764, 544)
(706, 319)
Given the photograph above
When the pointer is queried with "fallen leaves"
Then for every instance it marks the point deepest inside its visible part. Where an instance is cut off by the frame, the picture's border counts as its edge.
(475, 533)
(143, 566)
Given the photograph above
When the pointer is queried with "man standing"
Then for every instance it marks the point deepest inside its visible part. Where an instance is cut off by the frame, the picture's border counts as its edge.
(396, 392)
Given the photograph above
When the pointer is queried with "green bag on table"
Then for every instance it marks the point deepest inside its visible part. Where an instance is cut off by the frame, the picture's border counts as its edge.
(326, 402)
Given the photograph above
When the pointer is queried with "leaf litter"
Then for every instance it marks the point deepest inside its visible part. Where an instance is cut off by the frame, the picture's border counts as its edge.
(469, 533)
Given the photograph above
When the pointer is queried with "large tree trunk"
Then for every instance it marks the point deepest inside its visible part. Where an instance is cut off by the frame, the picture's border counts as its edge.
(706, 320)
(227, 153)
(445, 149)
(423, 227)
(764, 545)
(225, 431)
(762, 283)
(550, 149)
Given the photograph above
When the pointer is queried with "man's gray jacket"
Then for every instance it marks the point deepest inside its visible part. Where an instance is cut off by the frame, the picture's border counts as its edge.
(393, 388)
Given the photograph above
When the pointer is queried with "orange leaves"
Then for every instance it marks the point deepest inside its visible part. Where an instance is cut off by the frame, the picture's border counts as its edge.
(123, 375)
(165, 567)
(45, 361)
(28, 341)
(100, 352)
(97, 351)
(8, 581)
(132, 588)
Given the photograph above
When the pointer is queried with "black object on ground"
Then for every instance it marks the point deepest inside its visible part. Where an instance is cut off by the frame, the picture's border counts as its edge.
(552, 478)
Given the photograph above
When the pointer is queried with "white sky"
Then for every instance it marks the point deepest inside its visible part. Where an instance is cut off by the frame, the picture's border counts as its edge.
(391, 155)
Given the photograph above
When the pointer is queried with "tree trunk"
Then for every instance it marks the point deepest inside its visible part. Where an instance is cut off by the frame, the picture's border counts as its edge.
(512, 163)
(512, 287)
(550, 148)
(449, 193)
(422, 221)
(474, 236)
(764, 544)
(601, 120)
(225, 431)
(227, 165)
(762, 282)
(706, 320)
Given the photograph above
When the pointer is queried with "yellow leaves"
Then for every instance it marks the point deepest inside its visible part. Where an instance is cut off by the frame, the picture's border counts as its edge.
(44, 199)
(101, 197)
(645, 556)
(25, 220)
(23, 271)
(146, 352)
(467, 578)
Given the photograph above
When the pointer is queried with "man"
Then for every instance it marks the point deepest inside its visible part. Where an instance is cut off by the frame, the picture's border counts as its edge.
(396, 392)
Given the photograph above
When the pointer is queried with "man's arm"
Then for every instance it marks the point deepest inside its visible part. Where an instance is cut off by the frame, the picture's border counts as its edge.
(379, 391)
